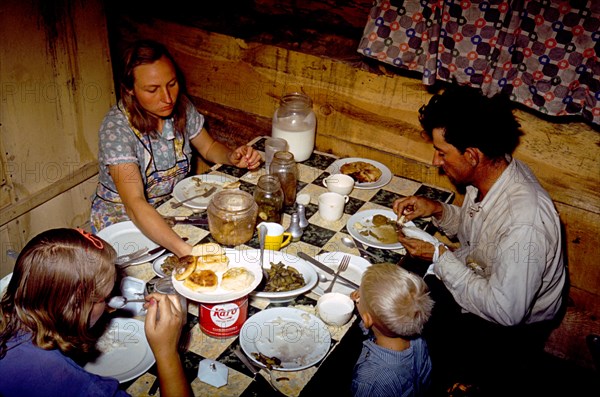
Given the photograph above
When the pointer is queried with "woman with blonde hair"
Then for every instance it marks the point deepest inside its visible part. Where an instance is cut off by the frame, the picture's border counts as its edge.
(56, 294)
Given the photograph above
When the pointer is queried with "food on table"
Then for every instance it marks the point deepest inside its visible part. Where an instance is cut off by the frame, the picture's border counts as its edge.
(232, 217)
(169, 264)
(380, 220)
(109, 341)
(237, 279)
(380, 228)
(185, 266)
(269, 362)
(361, 171)
(283, 278)
(216, 263)
(401, 220)
(202, 281)
(207, 249)
(199, 270)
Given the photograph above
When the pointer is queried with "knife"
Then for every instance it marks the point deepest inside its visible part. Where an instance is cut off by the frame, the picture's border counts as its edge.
(245, 360)
(325, 268)
(130, 257)
(141, 258)
(187, 220)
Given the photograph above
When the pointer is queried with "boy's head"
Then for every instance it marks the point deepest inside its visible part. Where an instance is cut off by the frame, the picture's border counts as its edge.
(394, 300)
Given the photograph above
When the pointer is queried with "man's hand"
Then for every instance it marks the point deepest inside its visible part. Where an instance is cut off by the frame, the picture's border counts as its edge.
(413, 207)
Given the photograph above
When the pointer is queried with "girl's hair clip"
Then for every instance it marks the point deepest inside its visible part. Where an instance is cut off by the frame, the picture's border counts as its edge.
(95, 240)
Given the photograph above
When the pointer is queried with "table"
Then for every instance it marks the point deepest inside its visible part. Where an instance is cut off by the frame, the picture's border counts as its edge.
(318, 237)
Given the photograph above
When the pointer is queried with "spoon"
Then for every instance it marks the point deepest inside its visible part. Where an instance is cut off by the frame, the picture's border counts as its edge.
(324, 279)
(350, 244)
(118, 302)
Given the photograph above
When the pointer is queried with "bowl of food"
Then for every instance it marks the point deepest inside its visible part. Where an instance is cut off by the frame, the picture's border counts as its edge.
(288, 277)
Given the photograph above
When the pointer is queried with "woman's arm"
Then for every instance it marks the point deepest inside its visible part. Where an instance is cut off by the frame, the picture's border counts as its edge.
(130, 187)
(215, 152)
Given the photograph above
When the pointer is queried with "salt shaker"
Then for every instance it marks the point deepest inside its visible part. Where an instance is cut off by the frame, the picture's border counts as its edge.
(295, 228)
(302, 221)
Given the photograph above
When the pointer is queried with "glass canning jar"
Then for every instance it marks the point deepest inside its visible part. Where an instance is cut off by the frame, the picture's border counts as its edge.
(232, 217)
(284, 167)
(269, 198)
(295, 121)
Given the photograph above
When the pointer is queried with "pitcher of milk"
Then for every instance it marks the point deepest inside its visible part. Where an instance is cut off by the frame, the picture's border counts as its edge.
(295, 121)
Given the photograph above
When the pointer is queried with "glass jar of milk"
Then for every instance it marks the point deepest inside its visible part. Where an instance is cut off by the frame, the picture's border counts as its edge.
(295, 122)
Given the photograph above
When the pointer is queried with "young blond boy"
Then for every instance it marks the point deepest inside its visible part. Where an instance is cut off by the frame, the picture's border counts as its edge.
(394, 305)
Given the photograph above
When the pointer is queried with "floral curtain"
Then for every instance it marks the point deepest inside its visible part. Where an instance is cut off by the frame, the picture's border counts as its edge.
(543, 54)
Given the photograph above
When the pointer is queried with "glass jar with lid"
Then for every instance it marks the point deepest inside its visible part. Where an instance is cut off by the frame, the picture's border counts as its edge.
(269, 198)
(295, 121)
(232, 217)
(285, 169)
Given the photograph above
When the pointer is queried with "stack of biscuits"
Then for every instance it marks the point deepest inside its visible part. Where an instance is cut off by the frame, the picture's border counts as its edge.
(199, 271)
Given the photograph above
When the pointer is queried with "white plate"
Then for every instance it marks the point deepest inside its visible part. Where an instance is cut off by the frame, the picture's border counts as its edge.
(308, 272)
(354, 273)
(365, 218)
(131, 358)
(384, 179)
(237, 258)
(126, 238)
(156, 265)
(189, 188)
(299, 339)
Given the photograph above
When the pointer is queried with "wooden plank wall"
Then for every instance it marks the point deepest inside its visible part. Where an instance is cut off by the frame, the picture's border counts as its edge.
(239, 61)
(56, 87)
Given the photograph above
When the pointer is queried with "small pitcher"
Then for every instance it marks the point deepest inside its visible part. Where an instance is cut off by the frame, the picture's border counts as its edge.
(276, 237)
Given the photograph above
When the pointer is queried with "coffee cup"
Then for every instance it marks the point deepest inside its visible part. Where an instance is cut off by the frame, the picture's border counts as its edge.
(276, 238)
(331, 206)
(339, 183)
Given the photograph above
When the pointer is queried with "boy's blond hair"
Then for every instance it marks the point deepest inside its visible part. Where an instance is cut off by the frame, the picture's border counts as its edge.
(397, 299)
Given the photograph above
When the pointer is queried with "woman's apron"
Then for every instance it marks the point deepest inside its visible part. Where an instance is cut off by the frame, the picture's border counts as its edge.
(107, 206)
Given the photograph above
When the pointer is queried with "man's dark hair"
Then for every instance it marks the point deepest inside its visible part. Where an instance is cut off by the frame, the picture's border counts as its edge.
(471, 119)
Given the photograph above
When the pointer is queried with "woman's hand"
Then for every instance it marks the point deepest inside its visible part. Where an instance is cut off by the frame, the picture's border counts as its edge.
(245, 157)
(413, 207)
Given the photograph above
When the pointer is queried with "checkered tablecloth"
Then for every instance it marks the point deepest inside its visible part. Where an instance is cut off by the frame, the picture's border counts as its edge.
(318, 237)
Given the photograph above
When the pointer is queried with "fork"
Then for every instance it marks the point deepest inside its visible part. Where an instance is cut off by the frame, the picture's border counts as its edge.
(205, 194)
(341, 268)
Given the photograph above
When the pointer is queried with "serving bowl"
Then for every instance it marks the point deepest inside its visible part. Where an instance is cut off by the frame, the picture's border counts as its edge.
(311, 278)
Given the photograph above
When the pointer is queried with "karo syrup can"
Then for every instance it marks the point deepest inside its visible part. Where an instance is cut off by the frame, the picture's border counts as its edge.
(223, 320)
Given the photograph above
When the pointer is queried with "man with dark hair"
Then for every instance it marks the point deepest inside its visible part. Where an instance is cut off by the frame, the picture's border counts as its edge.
(498, 294)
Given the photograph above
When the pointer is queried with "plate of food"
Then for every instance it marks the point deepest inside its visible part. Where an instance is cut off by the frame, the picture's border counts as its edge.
(163, 265)
(376, 228)
(368, 174)
(285, 339)
(126, 238)
(212, 274)
(124, 351)
(289, 276)
(198, 184)
(356, 268)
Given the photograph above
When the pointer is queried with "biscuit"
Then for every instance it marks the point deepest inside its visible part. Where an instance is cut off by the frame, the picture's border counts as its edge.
(202, 281)
(237, 279)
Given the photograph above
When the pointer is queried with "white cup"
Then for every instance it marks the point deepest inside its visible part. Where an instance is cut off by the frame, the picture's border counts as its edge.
(339, 183)
(331, 206)
(273, 145)
(335, 308)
